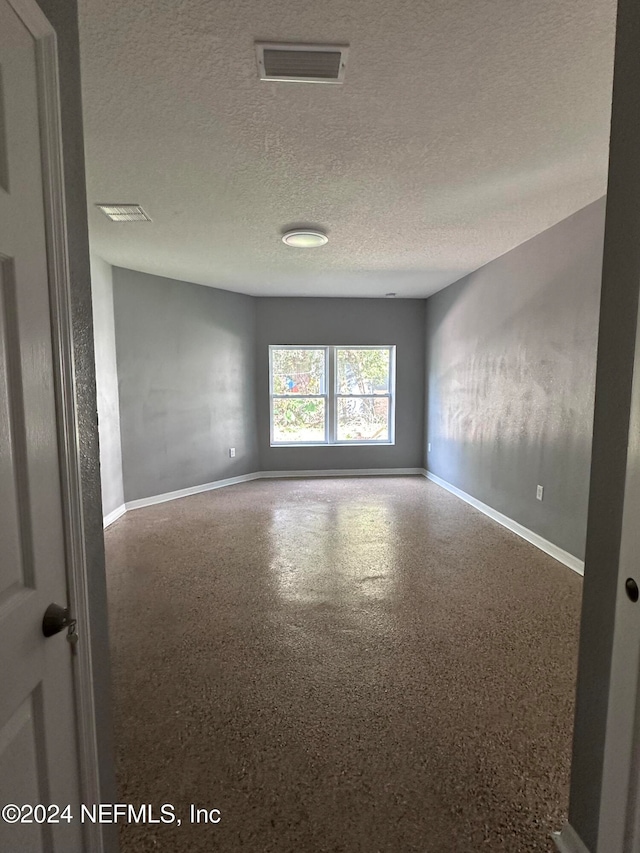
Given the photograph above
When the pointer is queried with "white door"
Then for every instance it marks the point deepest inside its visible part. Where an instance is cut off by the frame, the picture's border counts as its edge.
(38, 749)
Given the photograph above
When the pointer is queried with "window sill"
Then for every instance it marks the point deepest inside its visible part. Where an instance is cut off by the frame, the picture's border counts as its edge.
(335, 444)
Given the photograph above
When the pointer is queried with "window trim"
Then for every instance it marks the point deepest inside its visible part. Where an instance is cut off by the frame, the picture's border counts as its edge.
(331, 396)
(324, 396)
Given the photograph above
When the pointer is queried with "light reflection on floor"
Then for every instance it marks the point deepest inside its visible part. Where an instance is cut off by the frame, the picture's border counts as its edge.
(332, 553)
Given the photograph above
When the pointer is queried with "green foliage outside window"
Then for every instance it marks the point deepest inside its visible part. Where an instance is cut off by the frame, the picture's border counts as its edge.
(294, 372)
(299, 383)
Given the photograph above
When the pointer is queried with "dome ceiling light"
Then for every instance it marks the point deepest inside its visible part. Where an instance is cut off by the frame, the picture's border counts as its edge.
(305, 238)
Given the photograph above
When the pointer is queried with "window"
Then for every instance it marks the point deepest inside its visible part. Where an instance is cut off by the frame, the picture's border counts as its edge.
(332, 395)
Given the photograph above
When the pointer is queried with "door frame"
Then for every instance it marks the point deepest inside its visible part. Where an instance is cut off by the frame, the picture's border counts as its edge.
(49, 107)
(619, 821)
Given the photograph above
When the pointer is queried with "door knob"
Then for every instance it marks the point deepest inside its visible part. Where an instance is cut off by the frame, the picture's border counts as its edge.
(56, 618)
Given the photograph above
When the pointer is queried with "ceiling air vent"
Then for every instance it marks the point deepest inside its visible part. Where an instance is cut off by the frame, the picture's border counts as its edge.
(124, 212)
(302, 63)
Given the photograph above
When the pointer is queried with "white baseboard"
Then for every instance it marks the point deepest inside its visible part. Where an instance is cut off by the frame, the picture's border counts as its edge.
(568, 841)
(260, 475)
(548, 547)
(192, 490)
(342, 472)
(114, 516)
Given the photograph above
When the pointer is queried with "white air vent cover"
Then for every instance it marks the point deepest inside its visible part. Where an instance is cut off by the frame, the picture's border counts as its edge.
(302, 63)
(124, 212)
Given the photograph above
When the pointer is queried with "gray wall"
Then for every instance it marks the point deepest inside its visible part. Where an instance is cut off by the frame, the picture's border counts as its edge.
(347, 321)
(104, 339)
(511, 352)
(63, 16)
(186, 365)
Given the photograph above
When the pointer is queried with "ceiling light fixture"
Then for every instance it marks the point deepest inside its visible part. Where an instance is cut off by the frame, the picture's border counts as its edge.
(124, 212)
(305, 239)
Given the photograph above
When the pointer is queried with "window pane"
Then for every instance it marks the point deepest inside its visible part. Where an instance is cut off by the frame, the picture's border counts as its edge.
(298, 420)
(363, 371)
(365, 419)
(298, 371)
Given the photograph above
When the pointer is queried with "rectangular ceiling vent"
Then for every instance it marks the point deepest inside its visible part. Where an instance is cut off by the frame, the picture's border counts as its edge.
(124, 212)
(302, 63)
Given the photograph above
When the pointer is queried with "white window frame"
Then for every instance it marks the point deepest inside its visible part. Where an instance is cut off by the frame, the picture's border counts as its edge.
(331, 396)
(324, 396)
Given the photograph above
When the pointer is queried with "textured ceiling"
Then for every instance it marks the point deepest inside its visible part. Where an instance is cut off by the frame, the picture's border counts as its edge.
(463, 129)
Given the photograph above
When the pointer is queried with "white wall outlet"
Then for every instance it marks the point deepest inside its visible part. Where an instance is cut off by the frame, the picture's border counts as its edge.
(429, 447)
(539, 492)
(232, 452)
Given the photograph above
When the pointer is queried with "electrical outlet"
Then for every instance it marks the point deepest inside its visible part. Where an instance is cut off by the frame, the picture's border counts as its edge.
(429, 447)
(232, 452)
(539, 492)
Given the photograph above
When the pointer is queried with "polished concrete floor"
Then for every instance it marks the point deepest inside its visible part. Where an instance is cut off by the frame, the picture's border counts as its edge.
(352, 666)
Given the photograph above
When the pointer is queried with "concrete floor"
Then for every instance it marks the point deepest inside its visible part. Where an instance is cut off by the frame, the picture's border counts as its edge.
(352, 666)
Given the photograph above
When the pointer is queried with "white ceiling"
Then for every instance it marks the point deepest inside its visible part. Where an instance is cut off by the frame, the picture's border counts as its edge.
(463, 128)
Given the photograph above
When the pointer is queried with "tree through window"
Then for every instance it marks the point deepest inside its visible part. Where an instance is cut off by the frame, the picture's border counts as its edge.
(332, 395)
